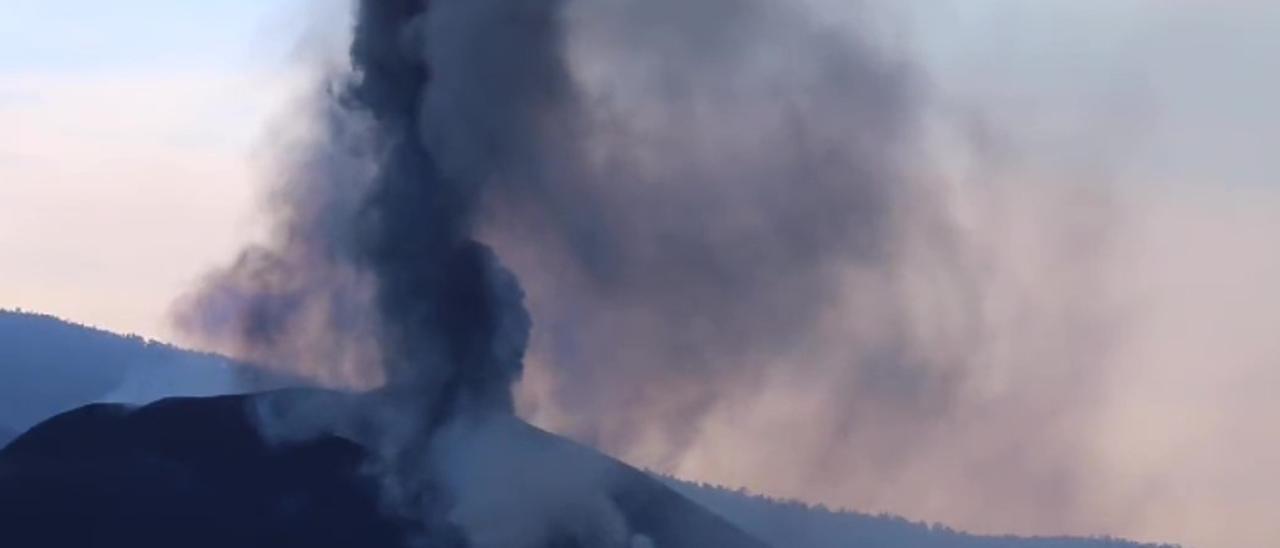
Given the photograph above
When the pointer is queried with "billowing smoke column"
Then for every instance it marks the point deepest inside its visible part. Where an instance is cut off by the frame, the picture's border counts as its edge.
(718, 210)
(375, 258)
(453, 326)
(374, 269)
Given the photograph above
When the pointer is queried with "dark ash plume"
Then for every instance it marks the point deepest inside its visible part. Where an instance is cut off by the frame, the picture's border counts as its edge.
(374, 268)
(374, 257)
(376, 275)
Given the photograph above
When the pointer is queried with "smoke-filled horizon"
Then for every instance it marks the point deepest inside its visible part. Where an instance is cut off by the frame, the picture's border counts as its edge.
(757, 247)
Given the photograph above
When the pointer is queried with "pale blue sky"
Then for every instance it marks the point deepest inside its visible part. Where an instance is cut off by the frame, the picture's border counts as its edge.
(87, 35)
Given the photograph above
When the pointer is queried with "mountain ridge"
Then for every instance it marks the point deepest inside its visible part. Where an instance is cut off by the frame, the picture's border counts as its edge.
(772, 519)
(70, 365)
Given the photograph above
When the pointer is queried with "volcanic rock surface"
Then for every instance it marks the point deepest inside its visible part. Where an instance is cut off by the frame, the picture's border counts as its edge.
(196, 472)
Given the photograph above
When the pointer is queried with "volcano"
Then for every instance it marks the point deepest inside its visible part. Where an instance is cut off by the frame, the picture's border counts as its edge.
(197, 472)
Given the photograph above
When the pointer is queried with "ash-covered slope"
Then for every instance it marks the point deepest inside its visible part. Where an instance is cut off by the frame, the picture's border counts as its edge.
(195, 472)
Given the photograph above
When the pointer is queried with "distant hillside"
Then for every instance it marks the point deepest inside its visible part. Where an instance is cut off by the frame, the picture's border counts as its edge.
(49, 366)
(797, 525)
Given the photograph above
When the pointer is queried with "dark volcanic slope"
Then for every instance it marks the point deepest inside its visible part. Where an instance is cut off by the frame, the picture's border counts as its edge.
(181, 472)
(193, 472)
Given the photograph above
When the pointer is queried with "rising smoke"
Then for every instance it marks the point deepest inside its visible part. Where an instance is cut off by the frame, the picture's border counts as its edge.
(749, 270)
(721, 210)
(375, 241)
(375, 264)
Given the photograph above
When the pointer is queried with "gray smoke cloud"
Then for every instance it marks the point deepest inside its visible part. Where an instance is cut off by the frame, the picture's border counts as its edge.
(728, 227)
(754, 267)
(728, 162)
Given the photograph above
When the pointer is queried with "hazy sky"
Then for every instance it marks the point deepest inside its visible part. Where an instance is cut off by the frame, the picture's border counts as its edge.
(129, 164)
(126, 162)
